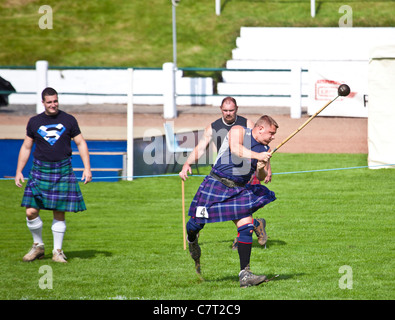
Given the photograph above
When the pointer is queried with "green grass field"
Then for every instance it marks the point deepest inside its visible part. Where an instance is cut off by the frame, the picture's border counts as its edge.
(128, 245)
(138, 33)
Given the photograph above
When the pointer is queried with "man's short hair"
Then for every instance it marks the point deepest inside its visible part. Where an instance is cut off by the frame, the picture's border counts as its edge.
(229, 100)
(266, 120)
(48, 92)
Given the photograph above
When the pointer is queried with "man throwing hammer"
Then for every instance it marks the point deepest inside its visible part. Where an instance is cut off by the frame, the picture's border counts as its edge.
(225, 193)
(216, 133)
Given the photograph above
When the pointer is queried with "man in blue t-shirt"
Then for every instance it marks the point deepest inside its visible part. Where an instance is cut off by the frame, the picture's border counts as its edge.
(52, 184)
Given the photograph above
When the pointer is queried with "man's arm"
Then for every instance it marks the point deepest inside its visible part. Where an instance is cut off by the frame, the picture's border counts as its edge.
(250, 124)
(236, 137)
(197, 152)
(261, 171)
(24, 154)
(84, 153)
(268, 172)
(268, 177)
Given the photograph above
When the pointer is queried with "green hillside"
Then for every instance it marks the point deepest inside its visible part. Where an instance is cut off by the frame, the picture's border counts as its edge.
(138, 33)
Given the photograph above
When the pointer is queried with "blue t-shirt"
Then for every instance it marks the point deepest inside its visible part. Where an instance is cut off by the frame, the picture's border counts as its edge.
(52, 135)
(238, 169)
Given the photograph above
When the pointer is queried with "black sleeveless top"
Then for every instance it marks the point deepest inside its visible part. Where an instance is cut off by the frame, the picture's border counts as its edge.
(220, 129)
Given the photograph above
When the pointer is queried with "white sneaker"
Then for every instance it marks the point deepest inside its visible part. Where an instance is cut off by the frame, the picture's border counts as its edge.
(59, 256)
(36, 252)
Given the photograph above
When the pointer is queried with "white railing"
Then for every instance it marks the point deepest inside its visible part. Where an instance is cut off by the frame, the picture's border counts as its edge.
(166, 86)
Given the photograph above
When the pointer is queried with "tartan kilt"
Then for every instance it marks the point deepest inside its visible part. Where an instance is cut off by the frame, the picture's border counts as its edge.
(53, 186)
(223, 203)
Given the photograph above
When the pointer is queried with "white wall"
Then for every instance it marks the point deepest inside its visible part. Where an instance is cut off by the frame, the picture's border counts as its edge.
(105, 81)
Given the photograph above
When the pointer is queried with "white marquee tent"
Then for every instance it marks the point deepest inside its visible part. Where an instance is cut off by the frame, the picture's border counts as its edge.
(381, 111)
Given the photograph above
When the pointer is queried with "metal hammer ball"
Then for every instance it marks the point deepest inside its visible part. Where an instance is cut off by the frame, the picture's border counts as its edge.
(343, 90)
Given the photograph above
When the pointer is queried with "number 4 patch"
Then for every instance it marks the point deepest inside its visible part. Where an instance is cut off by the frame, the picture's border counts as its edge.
(201, 212)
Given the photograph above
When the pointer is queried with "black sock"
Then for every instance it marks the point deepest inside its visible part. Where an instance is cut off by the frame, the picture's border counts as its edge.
(244, 250)
(191, 236)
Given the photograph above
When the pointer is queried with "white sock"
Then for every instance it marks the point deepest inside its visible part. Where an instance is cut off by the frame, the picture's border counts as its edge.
(58, 231)
(36, 226)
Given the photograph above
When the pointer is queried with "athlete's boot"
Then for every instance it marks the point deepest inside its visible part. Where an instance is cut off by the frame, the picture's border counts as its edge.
(247, 278)
(260, 231)
(194, 250)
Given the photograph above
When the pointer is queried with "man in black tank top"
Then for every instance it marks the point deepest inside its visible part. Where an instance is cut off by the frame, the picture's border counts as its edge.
(220, 128)
(216, 132)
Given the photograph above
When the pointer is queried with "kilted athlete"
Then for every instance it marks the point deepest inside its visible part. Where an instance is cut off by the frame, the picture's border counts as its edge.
(52, 184)
(216, 133)
(225, 193)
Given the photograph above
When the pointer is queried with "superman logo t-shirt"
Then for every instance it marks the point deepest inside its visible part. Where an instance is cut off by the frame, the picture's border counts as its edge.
(52, 135)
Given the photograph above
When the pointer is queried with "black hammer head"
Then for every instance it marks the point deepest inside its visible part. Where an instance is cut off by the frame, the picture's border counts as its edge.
(343, 90)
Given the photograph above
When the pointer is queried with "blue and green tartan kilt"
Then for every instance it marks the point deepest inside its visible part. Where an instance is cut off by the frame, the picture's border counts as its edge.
(53, 186)
(222, 203)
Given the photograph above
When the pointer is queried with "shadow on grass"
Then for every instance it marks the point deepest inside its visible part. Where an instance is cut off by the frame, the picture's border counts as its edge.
(269, 243)
(255, 243)
(87, 254)
(271, 277)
